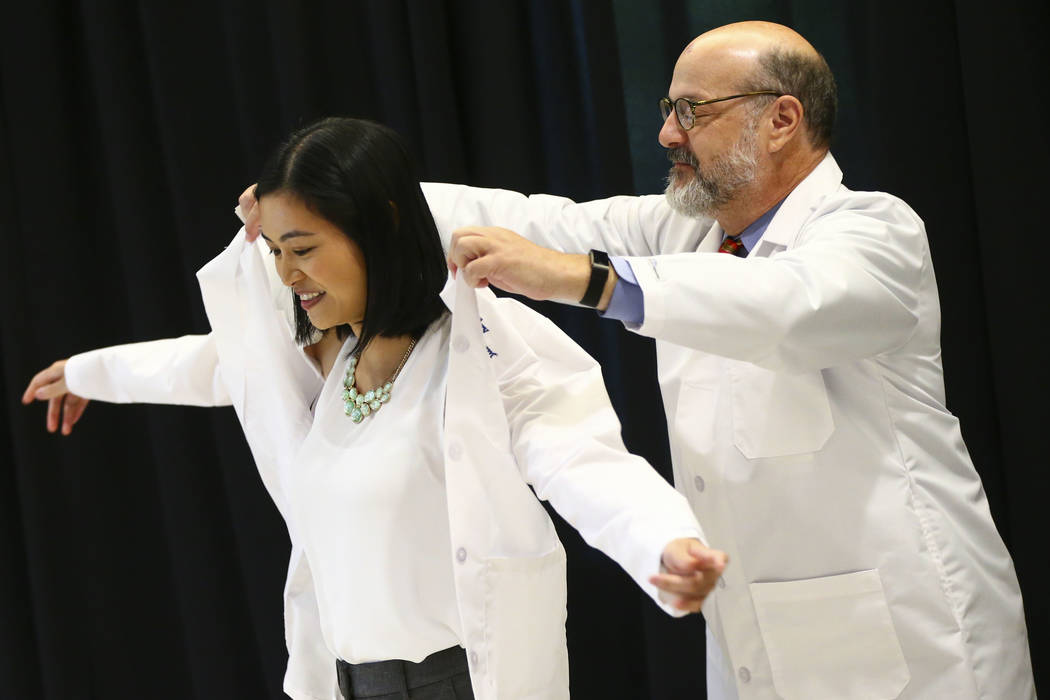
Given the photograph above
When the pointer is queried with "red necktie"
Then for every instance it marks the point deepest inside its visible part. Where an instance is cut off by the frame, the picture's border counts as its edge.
(733, 246)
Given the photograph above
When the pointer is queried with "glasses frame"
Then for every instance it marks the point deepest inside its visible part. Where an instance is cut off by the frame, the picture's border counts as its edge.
(693, 104)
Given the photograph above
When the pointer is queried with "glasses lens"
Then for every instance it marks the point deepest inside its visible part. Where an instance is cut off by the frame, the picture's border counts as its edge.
(685, 113)
(665, 108)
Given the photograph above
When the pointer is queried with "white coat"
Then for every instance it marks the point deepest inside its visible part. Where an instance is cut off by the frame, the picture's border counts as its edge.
(805, 403)
(523, 404)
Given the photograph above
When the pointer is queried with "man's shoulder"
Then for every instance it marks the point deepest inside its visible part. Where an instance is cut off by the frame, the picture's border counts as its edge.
(873, 204)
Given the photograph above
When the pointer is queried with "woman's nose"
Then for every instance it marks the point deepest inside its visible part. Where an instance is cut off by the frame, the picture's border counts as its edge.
(288, 272)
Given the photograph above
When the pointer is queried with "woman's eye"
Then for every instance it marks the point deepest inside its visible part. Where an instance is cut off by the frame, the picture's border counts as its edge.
(302, 251)
(276, 252)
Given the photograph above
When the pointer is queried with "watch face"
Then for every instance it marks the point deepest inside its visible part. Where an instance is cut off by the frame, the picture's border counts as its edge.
(599, 257)
(599, 273)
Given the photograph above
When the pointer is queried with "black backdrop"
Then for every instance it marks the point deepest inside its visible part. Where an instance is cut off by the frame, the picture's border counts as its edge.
(140, 557)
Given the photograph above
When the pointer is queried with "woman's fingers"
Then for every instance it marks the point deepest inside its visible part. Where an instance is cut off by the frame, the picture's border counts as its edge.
(43, 378)
(54, 412)
(72, 410)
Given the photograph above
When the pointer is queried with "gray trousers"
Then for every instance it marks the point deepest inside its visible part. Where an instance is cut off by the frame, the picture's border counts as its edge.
(444, 675)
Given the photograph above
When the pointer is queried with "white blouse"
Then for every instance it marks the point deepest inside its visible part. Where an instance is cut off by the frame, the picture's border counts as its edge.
(372, 509)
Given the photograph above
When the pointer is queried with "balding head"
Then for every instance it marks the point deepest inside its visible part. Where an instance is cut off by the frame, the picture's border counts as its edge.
(762, 102)
(753, 56)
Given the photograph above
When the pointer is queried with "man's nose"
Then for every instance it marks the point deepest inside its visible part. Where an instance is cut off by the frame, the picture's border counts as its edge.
(672, 135)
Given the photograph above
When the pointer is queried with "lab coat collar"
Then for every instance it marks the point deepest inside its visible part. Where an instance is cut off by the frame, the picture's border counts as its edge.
(448, 292)
(798, 206)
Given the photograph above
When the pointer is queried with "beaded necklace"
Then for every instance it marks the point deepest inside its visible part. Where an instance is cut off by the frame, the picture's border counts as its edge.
(357, 405)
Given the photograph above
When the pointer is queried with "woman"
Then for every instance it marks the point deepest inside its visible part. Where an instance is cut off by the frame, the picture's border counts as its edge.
(400, 446)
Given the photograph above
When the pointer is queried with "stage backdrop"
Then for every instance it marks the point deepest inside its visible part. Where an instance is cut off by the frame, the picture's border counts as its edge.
(141, 558)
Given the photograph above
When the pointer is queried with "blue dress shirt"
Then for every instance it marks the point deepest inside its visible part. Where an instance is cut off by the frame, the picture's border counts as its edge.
(627, 303)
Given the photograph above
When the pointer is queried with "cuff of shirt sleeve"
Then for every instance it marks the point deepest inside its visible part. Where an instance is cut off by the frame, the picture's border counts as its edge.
(627, 303)
(76, 373)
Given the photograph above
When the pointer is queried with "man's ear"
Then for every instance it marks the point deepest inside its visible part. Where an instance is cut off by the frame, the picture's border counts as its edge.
(786, 121)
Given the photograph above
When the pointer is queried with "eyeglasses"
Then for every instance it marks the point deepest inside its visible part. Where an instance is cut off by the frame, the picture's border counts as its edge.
(684, 108)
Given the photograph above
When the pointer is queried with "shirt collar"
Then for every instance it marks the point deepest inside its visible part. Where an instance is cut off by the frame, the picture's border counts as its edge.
(751, 235)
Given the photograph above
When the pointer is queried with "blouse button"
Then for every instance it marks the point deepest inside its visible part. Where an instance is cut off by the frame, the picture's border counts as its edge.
(461, 555)
(460, 344)
(745, 674)
(698, 482)
(455, 451)
(721, 582)
(473, 658)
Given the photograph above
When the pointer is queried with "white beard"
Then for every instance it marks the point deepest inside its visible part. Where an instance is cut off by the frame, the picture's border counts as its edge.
(703, 195)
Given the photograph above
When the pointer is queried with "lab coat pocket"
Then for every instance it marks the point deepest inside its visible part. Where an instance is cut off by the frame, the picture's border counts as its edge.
(776, 414)
(525, 625)
(830, 638)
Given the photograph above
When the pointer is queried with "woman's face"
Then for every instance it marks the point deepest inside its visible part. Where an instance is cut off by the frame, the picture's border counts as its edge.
(324, 268)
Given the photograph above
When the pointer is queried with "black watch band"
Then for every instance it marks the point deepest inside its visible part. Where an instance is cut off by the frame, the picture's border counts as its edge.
(599, 274)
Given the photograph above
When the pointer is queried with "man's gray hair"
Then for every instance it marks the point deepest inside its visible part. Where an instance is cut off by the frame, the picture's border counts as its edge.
(809, 79)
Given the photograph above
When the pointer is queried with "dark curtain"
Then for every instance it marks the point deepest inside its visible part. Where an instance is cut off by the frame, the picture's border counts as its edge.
(140, 557)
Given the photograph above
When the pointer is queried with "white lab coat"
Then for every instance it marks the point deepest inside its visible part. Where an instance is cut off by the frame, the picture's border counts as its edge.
(805, 403)
(523, 404)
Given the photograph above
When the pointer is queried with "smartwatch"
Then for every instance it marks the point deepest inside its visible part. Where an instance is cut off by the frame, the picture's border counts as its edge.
(599, 275)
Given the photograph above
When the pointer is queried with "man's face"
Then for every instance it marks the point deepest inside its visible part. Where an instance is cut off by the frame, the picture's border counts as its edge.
(716, 160)
(696, 191)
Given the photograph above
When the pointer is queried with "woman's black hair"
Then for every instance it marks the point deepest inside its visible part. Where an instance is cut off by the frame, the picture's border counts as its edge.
(359, 176)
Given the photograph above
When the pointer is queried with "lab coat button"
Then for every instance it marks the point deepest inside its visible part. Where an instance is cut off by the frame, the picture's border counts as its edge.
(473, 658)
(744, 674)
(698, 482)
(461, 555)
(455, 451)
(460, 344)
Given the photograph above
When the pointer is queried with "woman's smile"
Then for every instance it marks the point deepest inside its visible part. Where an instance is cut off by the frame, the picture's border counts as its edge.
(308, 300)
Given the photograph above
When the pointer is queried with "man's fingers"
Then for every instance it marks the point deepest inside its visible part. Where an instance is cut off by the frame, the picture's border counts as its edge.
(467, 250)
(476, 272)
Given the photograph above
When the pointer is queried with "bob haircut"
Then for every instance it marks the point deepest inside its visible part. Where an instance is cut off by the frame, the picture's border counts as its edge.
(359, 176)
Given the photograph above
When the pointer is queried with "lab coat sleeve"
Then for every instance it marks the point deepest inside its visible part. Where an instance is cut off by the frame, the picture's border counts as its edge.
(181, 371)
(849, 289)
(566, 440)
(624, 225)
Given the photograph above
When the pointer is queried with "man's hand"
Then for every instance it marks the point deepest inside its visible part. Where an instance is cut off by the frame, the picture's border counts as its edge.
(50, 385)
(250, 213)
(688, 572)
(490, 255)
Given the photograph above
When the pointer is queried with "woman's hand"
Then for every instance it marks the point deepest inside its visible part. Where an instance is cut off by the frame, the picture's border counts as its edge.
(688, 572)
(50, 385)
(249, 213)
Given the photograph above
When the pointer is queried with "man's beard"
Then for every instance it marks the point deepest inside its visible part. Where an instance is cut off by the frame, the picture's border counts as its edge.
(704, 194)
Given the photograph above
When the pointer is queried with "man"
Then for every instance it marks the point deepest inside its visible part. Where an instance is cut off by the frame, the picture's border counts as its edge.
(797, 327)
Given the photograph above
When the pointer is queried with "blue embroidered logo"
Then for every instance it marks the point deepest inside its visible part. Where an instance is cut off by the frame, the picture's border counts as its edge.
(491, 352)
(484, 328)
